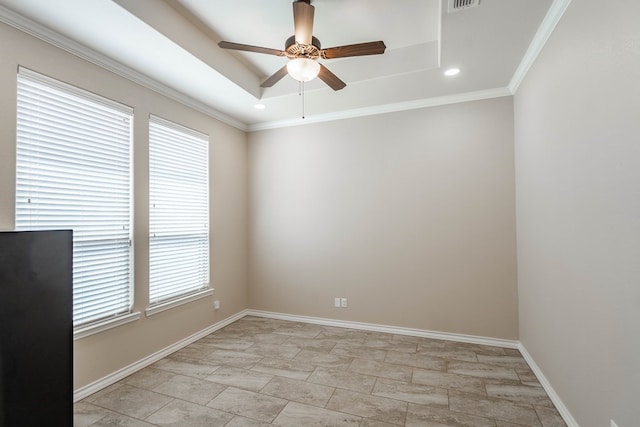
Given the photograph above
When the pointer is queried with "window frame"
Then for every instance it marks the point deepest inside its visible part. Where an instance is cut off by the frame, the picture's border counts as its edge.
(161, 137)
(34, 91)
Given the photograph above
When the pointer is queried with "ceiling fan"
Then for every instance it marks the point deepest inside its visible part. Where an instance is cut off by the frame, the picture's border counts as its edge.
(303, 51)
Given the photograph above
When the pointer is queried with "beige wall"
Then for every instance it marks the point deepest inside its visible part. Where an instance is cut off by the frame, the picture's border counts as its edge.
(104, 353)
(410, 215)
(577, 122)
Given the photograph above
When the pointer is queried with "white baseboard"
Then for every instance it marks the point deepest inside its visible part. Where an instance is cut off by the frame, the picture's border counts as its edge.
(89, 389)
(116, 376)
(422, 333)
(562, 409)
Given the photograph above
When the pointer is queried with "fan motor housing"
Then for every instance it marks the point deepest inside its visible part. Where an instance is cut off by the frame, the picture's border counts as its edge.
(297, 50)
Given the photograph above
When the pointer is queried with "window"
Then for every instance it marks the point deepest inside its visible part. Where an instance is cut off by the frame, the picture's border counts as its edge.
(73, 171)
(178, 212)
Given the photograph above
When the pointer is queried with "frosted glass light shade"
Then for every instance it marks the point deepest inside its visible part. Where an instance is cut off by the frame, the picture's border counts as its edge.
(303, 69)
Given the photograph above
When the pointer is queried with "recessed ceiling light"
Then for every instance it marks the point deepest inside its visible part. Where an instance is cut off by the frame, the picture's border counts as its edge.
(259, 106)
(452, 72)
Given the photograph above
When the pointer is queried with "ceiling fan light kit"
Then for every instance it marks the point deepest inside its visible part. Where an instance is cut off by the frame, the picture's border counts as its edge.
(303, 51)
(303, 69)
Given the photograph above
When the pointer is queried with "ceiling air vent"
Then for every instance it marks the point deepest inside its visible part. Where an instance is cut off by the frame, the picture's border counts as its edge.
(458, 5)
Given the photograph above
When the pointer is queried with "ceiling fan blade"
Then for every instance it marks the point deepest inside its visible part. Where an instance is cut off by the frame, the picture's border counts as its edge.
(249, 48)
(360, 49)
(275, 77)
(303, 21)
(330, 79)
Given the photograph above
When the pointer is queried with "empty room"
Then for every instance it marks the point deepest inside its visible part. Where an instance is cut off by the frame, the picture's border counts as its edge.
(320, 213)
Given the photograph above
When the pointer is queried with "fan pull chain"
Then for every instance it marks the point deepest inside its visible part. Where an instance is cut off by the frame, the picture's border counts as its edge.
(301, 94)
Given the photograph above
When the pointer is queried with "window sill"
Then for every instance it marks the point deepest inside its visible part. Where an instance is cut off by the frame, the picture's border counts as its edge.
(159, 308)
(85, 331)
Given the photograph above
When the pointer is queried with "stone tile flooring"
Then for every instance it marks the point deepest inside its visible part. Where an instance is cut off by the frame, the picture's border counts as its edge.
(266, 372)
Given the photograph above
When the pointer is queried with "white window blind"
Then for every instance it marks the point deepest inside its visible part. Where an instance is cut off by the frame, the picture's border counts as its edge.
(73, 171)
(178, 211)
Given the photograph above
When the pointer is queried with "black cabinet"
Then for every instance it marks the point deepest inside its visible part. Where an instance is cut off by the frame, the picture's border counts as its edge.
(36, 328)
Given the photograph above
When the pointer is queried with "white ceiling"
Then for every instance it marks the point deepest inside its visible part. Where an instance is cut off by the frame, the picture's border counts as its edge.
(174, 43)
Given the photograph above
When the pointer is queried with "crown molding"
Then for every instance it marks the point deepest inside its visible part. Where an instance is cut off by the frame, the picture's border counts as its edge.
(551, 19)
(547, 26)
(53, 38)
(386, 108)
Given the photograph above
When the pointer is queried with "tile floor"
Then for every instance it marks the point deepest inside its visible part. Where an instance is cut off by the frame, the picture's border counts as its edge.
(265, 372)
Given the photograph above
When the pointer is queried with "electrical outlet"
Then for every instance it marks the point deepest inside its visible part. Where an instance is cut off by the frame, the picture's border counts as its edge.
(343, 303)
(336, 302)
(613, 424)
(216, 305)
